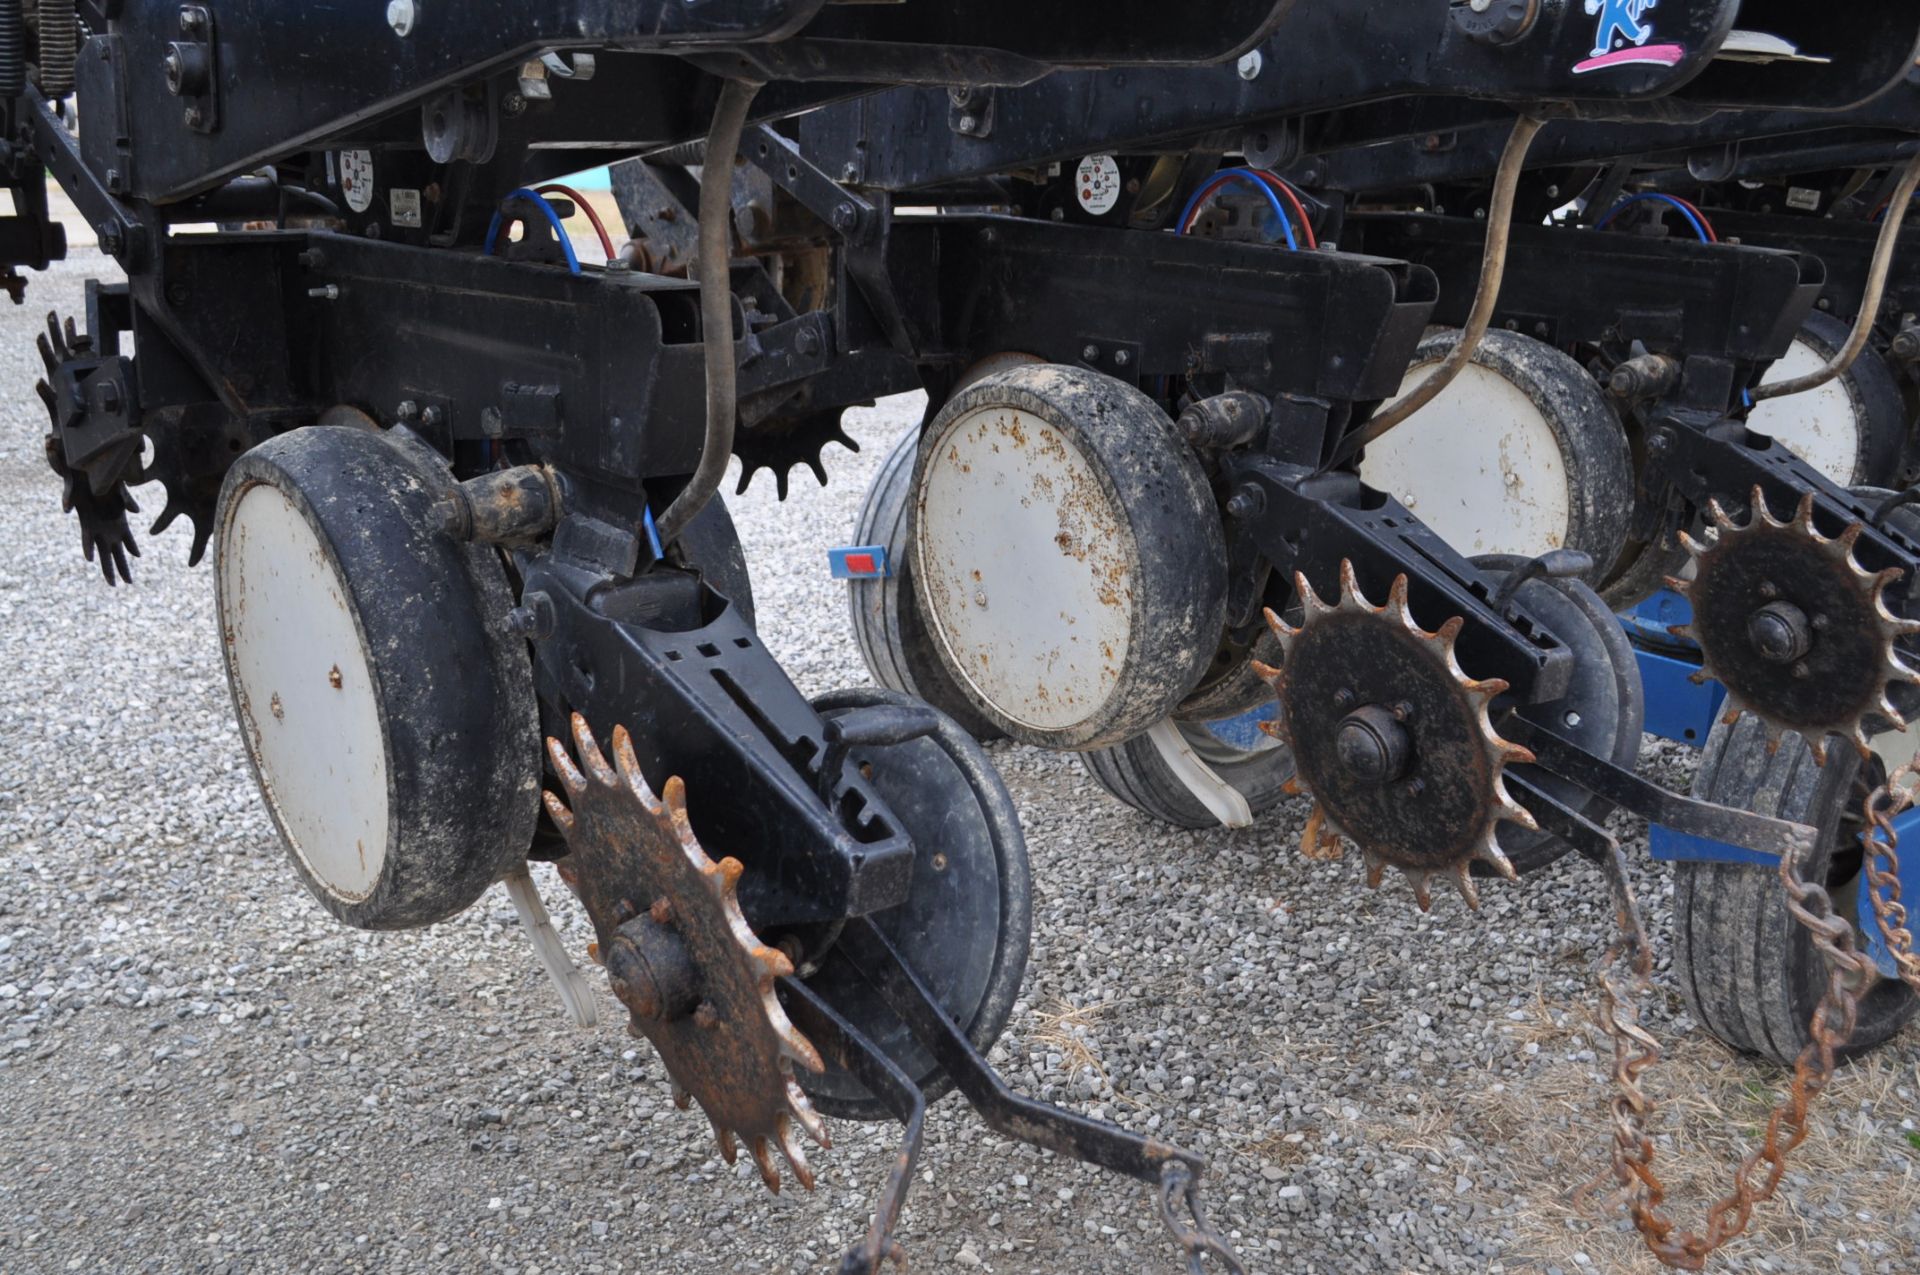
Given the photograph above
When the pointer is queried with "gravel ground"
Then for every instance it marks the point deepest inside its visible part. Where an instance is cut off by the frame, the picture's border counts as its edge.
(200, 1071)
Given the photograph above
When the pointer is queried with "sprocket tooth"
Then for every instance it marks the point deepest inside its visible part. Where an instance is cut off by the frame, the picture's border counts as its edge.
(1376, 869)
(1802, 513)
(763, 1157)
(673, 797)
(1318, 841)
(1676, 584)
(1817, 745)
(1309, 600)
(724, 1136)
(1449, 633)
(558, 812)
(1266, 673)
(1860, 743)
(1494, 857)
(1397, 596)
(1848, 538)
(627, 763)
(1422, 883)
(1294, 786)
(571, 776)
(591, 759)
(802, 1109)
(681, 1098)
(1351, 595)
(1719, 516)
(1462, 879)
(1277, 626)
(797, 1158)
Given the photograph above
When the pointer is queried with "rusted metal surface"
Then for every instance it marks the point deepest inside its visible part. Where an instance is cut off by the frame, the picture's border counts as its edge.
(1625, 975)
(698, 983)
(1794, 627)
(1881, 865)
(1393, 739)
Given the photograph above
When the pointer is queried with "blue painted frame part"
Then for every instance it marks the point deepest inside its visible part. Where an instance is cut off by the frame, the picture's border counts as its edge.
(838, 562)
(1678, 708)
(1653, 619)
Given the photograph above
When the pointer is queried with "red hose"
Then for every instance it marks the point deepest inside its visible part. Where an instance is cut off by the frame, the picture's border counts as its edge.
(579, 201)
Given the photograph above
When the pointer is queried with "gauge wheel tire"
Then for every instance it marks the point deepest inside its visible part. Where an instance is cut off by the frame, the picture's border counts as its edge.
(1868, 392)
(913, 791)
(892, 635)
(401, 793)
(1137, 774)
(1749, 971)
(1538, 402)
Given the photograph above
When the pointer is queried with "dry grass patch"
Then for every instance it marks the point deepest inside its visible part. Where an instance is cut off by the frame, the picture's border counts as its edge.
(1552, 1128)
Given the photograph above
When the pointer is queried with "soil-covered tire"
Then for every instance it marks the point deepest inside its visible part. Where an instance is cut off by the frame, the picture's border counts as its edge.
(1136, 773)
(887, 625)
(1749, 971)
(1520, 401)
(1867, 396)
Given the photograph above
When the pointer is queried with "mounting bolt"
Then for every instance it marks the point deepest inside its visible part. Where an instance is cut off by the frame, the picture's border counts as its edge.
(192, 116)
(1251, 65)
(807, 341)
(1090, 352)
(513, 103)
(1660, 442)
(112, 239)
(1121, 358)
(407, 410)
(1248, 502)
(1779, 633)
(326, 292)
(400, 16)
(192, 18)
(534, 618)
(845, 218)
(969, 124)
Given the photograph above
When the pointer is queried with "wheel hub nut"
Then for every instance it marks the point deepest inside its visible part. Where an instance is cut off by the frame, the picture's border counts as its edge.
(1373, 745)
(1779, 632)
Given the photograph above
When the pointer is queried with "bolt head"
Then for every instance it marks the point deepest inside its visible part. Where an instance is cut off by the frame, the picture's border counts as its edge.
(1090, 352)
(1250, 65)
(401, 16)
(192, 116)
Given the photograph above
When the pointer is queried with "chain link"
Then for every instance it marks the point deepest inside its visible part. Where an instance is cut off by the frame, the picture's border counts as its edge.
(1635, 1051)
(1197, 1239)
(1881, 845)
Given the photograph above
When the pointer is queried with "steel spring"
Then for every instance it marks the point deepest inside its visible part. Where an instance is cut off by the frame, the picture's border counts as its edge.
(59, 47)
(13, 49)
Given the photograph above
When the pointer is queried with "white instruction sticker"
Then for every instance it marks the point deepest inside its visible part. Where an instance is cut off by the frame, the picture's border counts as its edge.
(1097, 183)
(403, 207)
(356, 179)
(1803, 198)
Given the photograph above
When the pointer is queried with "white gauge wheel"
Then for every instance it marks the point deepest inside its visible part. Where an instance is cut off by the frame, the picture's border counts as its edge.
(1821, 426)
(304, 691)
(1853, 429)
(1068, 555)
(1519, 455)
(387, 711)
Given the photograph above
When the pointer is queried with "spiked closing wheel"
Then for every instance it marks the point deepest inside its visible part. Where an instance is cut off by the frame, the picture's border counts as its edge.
(1392, 739)
(1794, 627)
(698, 983)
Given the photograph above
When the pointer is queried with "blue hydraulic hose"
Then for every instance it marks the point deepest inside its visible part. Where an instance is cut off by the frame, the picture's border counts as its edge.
(493, 228)
(1244, 174)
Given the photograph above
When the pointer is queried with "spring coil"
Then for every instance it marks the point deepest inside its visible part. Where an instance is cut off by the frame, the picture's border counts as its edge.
(59, 47)
(13, 49)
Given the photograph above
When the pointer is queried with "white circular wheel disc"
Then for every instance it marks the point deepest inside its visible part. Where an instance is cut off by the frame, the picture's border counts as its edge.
(1480, 465)
(1821, 426)
(305, 692)
(1025, 568)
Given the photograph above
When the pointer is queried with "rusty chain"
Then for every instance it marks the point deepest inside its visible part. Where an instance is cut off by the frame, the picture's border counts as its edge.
(1881, 844)
(1635, 1051)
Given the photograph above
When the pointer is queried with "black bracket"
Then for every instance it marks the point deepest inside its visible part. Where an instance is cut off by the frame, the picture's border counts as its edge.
(191, 68)
(1310, 523)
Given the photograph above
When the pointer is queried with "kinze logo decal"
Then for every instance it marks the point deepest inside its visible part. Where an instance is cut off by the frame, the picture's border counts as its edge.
(1622, 38)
